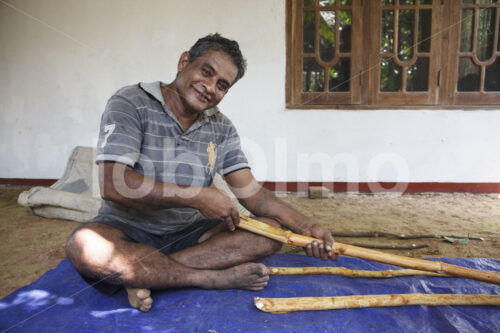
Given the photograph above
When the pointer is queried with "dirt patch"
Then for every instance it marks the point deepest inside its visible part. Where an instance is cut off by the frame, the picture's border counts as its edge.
(31, 245)
(465, 215)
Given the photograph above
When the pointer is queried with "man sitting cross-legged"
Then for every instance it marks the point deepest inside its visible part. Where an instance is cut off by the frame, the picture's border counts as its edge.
(161, 225)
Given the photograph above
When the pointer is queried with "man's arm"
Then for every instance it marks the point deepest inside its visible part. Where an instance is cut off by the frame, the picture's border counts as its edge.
(262, 202)
(121, 184)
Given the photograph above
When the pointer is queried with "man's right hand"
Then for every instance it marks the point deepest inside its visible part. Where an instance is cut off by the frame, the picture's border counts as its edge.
(214, 204)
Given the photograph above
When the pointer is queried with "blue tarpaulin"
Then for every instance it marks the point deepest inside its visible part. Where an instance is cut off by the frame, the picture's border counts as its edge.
(60, 301)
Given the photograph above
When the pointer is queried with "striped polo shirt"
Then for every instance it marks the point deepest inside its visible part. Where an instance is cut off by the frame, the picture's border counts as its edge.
(138, 129)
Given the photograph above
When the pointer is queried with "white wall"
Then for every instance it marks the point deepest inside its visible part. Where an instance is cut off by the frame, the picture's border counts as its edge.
(61, 60)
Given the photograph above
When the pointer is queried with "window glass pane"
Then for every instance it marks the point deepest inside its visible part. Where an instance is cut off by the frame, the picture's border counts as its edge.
(417, 75)
(468, 1)
(426, 2)
(313, 78)
(345, 2)
(387, 35)
(405, 37)
(466, 28)
(406, 2)
(387, 2)
(424, 30)
(309, 3)
(309, 33)
(327, 35)
(468, 75)
(326, 2)
(485, 34)
(492, 77)
(487, 1)
(498, 42)
(390, 75)
(339, 76)
(345, 18)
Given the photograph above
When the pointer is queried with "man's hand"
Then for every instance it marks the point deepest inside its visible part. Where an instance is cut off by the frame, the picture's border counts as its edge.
(262, 202)
(214, 204)
(318, 250)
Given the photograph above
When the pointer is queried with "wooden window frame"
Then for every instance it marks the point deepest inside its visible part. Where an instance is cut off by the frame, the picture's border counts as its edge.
(365, 70)
(452, 38)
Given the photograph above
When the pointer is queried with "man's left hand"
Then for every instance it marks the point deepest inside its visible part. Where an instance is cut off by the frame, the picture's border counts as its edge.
(320, 250)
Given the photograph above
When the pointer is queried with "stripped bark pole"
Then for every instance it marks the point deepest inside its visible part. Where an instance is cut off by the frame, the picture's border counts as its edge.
(289, 237)
(377, 234)
(350, 272)
(283, 305)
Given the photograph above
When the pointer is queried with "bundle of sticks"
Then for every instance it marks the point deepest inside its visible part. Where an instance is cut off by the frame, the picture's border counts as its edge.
(437, 267)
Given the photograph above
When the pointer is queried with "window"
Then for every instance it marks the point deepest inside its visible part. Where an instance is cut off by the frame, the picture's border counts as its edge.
(378, 53)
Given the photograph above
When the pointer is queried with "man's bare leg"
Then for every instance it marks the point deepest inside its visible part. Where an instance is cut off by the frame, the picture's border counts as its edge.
(140, 267)
(220, 248)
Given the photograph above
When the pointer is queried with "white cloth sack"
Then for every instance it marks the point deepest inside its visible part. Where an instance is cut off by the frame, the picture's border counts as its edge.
(73, 197)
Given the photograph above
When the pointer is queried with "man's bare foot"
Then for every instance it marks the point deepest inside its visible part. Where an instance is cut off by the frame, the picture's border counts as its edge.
(249, 276)
(140, 298)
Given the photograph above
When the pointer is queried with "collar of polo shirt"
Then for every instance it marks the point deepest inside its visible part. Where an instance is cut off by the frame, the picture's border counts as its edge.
(154, 88)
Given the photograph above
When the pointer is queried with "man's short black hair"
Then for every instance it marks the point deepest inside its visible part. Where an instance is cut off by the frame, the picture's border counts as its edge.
(217, 42)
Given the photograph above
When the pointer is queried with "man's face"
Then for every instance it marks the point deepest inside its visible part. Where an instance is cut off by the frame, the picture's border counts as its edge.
(203, 83)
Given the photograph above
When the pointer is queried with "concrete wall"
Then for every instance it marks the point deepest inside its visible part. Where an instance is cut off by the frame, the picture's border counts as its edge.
(61, 60)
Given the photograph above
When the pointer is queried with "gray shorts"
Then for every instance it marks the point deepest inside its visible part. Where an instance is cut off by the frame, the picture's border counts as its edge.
(167, 244)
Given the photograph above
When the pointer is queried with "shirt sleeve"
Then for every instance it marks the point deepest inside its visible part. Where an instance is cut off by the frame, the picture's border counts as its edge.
(233, 158)
(120, 133)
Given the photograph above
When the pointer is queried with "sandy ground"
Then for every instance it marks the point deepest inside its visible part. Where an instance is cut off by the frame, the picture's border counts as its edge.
(424, 214)
(30, 245)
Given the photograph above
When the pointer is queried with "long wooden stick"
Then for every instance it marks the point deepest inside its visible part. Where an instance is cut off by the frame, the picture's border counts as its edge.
(289, 237)
(377, 234)
(350, 272)
(283, 305)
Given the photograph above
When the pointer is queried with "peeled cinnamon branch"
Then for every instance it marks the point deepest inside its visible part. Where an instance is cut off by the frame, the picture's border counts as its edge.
(350, 272)
(377, 234)
(283, 305)
(289, 237)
